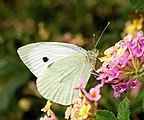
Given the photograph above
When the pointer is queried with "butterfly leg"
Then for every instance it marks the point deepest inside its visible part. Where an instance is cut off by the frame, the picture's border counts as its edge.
(94, 73)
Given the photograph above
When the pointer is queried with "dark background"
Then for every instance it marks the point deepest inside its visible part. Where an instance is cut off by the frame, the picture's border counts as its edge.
(72, 21)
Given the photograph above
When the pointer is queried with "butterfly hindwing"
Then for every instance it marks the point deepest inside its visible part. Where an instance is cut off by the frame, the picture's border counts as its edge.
(57, 81)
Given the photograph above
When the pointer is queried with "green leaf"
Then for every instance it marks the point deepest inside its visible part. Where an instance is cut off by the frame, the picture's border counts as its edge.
(105, 115)
(16, 81)
(138, 5)
(123, 110)
(143, 105)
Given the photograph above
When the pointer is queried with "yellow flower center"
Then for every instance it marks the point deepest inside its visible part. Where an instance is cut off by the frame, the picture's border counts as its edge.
(84, 111)
(121, 51)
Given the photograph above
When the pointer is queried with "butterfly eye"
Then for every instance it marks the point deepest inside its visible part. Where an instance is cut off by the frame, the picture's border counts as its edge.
(45, 59)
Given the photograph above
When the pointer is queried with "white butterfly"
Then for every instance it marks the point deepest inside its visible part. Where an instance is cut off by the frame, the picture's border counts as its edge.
(58, 68)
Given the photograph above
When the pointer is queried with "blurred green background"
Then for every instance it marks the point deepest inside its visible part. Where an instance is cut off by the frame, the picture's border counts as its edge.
(72, 21)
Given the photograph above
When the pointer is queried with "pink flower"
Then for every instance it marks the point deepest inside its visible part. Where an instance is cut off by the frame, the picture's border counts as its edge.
(119, 88)
(124, 59)
(132, 44)
(114, 73)
(134, 84)
(124, 67)
(123, 86)
(138, 51)
(94, 93)
(103, 74)
(113, 63)
(141, 41)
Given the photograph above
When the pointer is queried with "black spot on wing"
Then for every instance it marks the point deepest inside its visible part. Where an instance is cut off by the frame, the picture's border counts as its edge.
(45, 59)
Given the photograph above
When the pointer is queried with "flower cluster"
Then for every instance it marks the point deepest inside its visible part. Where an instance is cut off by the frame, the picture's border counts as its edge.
(123, 64)
(79, 110)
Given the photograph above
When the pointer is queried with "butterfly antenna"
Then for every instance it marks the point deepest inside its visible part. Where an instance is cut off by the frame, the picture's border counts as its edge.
(93, 39)
(101, 34)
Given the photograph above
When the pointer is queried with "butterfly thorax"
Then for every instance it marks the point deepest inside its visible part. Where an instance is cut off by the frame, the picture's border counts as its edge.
(92, 54)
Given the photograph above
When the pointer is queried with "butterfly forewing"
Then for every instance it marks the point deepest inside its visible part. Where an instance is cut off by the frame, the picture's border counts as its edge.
(35, 54)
